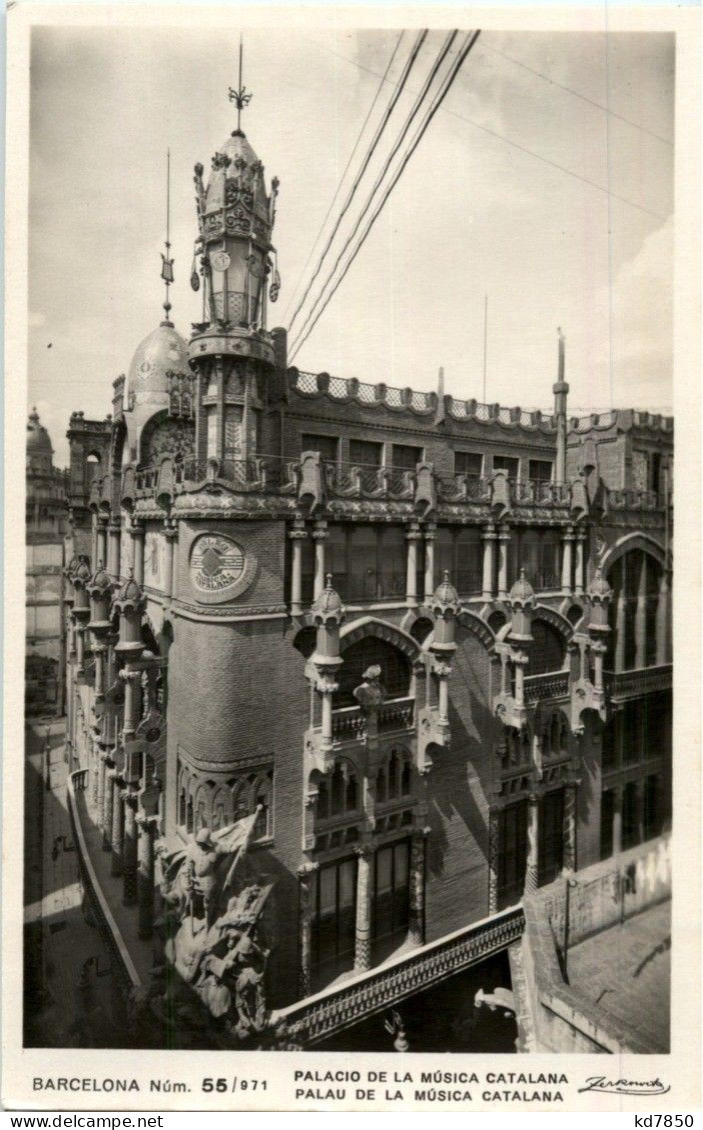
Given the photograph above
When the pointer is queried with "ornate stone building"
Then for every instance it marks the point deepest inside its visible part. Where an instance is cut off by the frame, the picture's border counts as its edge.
(46, 528)
(423, 642)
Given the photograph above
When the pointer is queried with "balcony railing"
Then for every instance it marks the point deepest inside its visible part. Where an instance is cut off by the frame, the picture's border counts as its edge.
(634, 500)
(623, 685)
(349, 722)
(346, 1003)
(553, 684)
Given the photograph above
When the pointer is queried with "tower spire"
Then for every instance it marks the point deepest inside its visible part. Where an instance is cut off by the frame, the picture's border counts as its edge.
(167, 261)
(240, 96)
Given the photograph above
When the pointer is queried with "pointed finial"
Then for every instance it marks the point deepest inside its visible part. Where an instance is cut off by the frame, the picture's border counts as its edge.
(240, 97)
(328, 579)
(446, 576)
(167, 261)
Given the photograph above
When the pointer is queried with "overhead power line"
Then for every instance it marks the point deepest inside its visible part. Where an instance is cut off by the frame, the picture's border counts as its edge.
(371, 109)
(419, 134)
(419, 40)
(414, 111)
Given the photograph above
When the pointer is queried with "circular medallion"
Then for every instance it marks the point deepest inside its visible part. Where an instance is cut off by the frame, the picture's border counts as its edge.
(216, 563)
(220, 260)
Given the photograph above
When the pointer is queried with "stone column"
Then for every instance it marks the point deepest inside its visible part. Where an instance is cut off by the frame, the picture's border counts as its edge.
(617, 820)
(364, 887)
(503, 539)
(566, 560)
(320, 535)
(94, 540)
(662, 622)
(108, 810)
(493, 856)
(412, 537)
(569, 847)
(489, 537)
(117, 863)
(129, 864)
(137, 532)
(641, 616)
(580, 578)
(532, 866)
(297, 535)
(620, 621)
(416, 918)
(306, 878)
(430, 535)
(145, 874)
(102, 522)
(113, 555)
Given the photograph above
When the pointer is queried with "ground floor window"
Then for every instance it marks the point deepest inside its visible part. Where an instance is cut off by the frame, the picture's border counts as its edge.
(391, 895)
(512, 854)
(630, 816)
(607, 814)
(333, 920)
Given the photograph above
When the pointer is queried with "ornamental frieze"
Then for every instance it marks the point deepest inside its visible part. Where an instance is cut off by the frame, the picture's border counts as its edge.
(220, 568)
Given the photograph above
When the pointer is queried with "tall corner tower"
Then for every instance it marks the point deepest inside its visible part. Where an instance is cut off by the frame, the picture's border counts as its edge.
(232, 352)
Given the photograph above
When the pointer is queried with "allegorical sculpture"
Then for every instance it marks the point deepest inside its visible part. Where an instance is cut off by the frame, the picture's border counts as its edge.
(214, 933)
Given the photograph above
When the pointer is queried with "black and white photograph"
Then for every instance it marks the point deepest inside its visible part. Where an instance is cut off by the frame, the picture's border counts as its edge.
(349, 590)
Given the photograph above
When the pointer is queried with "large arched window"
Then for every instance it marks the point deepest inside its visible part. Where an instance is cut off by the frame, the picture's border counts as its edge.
(338, 796)
(395, 669)
(547, 652)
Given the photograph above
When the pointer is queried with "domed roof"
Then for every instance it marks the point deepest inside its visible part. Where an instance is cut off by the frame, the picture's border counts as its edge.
(82, 573)
(100, 579)
(329, 600)
(162, 350)
(130, 593)
(522, 591)
(38, 441)
(238, 145)
(445, 593)
(237, 177)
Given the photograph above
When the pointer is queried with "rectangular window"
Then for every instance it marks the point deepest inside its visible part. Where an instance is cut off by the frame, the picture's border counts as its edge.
(328, 446)
(506, 463)
(468, 463)
(406, 458)
(630, 816)
(307, 570)
(333, 921)
(391, 896)
(652, 807)
(551, 838)
(467, 574)
(512, 854)
(540, 470)
(392, 571)
(537, 552)
(336, 559)
(363, 453)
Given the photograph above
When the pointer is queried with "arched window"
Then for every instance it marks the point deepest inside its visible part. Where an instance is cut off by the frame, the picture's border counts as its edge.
(189, 815)
(182, 807)
(393, 779)
(262, 800)
(340, 796)
(395, 669)
(421, 629)
(547, 650)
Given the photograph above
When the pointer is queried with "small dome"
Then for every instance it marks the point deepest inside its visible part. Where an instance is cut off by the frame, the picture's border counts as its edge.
(162, 350)
(445, 593)
(38, 441)
(82, 572)
(237, 178)
(599, 587)
(522, 591)
(100, 579)
(329, 600)
(130, 593)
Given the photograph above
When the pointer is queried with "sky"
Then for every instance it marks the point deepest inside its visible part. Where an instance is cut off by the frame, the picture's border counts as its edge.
(545, 182)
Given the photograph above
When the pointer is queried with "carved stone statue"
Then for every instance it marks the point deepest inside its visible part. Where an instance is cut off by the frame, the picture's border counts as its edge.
(371, 694)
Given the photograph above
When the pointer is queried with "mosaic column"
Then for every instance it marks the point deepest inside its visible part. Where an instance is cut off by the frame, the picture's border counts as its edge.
(493, 855)
(117, 861)
(137, 532)
(145, 874)
(412, 538)
(129, 854)
(569, 846)
(532, 867)
(416, 918)
(641, 616)
(306, 878)
(503, 539)
(489, 537)
(566, 560)
(320, 535)
(113, 555)
(94, 540)
(364, 885)
(662, 622)
(617, 821)
(101, 551)
(430, 535)
(107, 809)
(297, 535)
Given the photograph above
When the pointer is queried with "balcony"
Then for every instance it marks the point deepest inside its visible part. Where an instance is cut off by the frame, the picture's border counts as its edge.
(622, 686)
(349, 723)
(553, 684)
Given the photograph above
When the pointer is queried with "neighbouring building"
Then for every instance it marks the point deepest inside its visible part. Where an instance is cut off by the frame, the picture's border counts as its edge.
(46, 527)
(423, 643)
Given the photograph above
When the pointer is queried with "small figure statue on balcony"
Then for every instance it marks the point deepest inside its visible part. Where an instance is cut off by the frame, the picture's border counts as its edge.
(371, 694)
